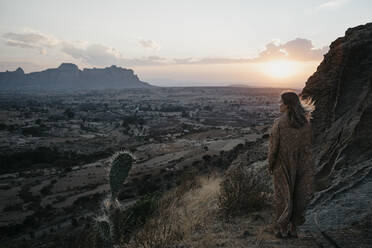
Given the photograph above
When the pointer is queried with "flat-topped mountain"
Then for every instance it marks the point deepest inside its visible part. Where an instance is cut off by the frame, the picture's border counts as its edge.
(68, 76)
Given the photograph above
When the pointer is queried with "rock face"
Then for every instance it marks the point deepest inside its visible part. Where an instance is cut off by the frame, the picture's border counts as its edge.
(342, 125)
(68, 77)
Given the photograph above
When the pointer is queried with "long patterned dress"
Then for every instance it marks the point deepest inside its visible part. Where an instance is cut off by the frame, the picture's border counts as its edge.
(293, 167)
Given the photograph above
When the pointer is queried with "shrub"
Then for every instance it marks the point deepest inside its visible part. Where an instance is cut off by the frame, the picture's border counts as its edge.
(69, 113)
(16, 207)
(46, 190)
(160, 231)
(243, 191)
(180, 212)
(134, 217)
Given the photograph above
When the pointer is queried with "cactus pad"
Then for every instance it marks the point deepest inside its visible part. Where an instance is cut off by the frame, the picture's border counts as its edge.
(120, 167)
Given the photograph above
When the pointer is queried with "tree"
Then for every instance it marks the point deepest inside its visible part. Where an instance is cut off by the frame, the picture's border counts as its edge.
(69, 113)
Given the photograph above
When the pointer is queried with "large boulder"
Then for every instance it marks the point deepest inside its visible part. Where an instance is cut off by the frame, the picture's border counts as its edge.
(342, 126)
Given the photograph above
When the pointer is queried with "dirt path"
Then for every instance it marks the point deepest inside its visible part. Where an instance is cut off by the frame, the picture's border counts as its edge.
(253, 231)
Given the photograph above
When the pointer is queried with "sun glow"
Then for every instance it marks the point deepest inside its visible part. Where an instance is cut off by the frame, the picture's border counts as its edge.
(280, 68)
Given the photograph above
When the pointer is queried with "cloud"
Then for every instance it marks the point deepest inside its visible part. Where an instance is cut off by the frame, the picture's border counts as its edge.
(154, 58)
(332, 4)
(90, 53)
(95, 54)
(149, 44)
(212, 60)
(31, 40)
(298, 50)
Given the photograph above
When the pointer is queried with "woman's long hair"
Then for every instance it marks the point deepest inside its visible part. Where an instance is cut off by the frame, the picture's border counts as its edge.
(299, 110)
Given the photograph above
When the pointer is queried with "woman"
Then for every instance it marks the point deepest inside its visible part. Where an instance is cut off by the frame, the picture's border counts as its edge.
(291, 163)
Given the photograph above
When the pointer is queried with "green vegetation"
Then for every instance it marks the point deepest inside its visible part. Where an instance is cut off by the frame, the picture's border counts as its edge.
(120, 167)
(48, 156)
(132, 119)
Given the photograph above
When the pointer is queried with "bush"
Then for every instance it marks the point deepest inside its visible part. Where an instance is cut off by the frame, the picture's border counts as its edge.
(160, 231)
(46, 190)
(180, 212)
(243, 191)
(124, 223)
(134, 217)
(69, 113)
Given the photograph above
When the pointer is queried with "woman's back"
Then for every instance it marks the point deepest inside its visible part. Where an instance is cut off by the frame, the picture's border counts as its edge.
(294, 138)
(295, 146)
(290, 160)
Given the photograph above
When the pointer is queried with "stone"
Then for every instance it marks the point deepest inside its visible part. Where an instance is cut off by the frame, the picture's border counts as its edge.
(342, 129)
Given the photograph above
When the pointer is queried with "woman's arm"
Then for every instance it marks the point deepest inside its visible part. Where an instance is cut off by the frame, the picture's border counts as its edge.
(273, 145)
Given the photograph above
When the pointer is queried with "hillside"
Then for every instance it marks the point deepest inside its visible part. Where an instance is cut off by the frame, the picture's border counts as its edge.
(342, 124)
(226, 199)
(340, 213)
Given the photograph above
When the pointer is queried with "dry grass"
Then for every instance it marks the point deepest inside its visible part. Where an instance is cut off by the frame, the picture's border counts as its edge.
(189, 215)
(181, 213)
(243, 191)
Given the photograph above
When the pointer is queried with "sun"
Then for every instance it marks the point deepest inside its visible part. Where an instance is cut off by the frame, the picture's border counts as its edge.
(280, 68)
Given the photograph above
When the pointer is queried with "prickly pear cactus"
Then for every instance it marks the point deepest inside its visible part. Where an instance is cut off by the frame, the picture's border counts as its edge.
(104, 229)
(120, 167)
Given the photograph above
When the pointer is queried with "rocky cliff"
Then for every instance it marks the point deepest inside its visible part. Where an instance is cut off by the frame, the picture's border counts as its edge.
(342, 124)
(68, 77)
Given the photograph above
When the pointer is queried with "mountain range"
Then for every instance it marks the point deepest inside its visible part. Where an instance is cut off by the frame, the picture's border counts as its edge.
(69, 77)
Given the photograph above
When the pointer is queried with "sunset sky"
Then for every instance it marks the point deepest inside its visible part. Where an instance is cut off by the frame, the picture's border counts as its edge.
(178, 43)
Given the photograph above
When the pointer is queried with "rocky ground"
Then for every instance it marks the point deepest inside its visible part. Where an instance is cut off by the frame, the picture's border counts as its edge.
(55, 147)
(253, 230)
(342, 89)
